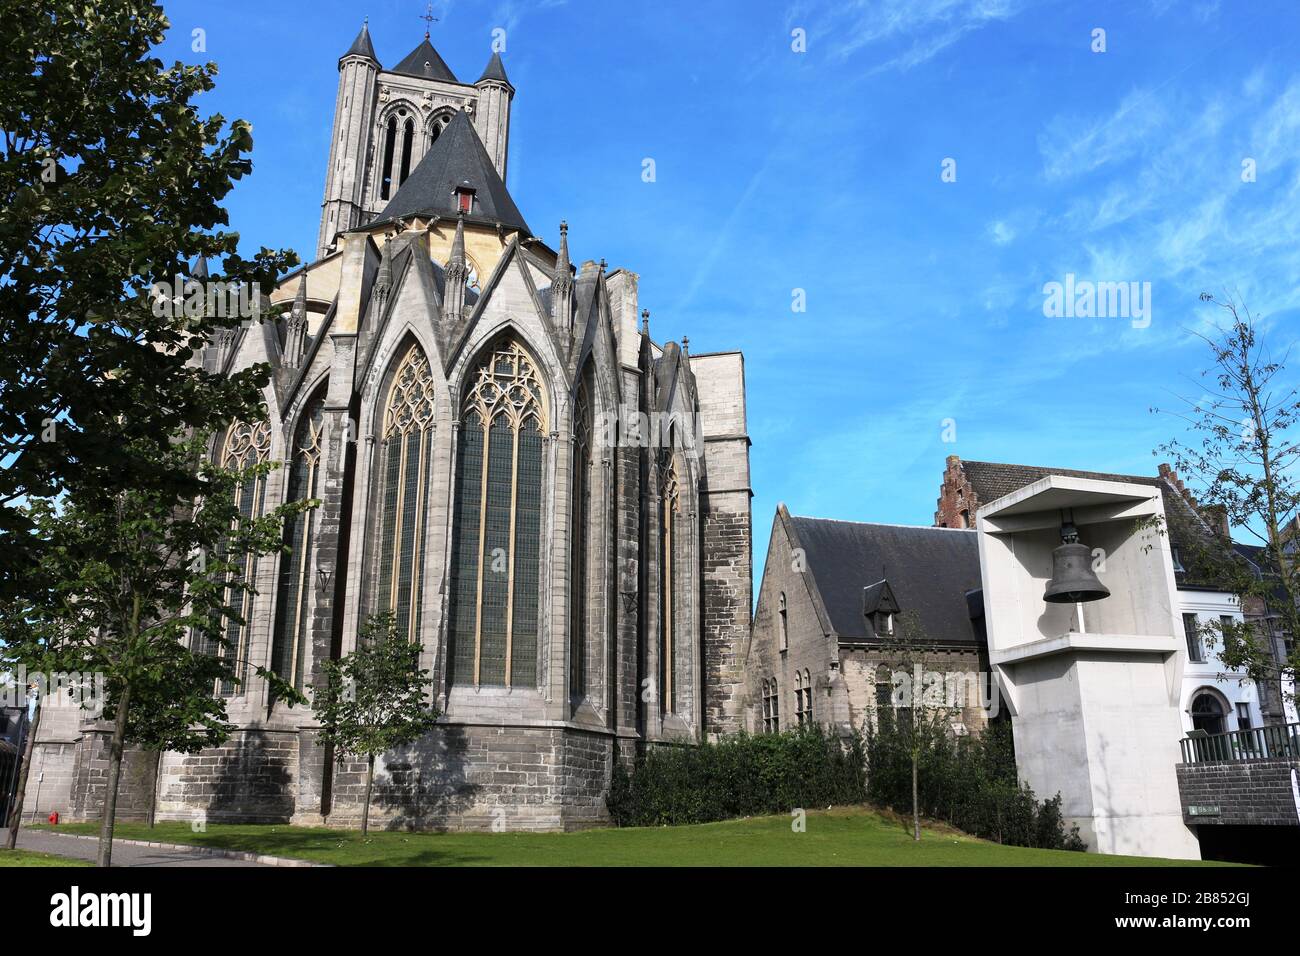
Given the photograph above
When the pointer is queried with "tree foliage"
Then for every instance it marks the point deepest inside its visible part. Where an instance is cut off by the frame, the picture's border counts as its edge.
(1240, 458)
(373, 700)
(141, 587)
(111, 180)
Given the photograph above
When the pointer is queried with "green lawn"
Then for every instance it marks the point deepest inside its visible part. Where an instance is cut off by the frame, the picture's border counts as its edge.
(840, 837)
(28, 858)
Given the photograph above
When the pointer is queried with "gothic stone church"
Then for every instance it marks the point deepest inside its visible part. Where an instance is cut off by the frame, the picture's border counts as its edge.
(471, 410)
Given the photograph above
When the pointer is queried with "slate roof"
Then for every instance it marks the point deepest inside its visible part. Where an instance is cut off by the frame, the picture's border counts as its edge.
(362, 46)
(456, 157)
(495, 70)
(424, 61)
(929, 570)
(992, 480)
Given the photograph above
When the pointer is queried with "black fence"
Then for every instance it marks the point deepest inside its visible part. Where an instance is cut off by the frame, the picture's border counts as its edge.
(1258, 743)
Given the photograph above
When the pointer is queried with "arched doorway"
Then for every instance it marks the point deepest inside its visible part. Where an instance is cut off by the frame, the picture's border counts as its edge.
(1209, 712)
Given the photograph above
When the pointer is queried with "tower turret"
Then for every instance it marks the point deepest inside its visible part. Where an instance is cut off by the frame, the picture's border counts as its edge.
(492, 118)
(343, 206)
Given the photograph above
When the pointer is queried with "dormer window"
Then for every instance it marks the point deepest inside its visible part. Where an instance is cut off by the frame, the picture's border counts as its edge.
(464, 199)
(885, 623)
(1177, 555)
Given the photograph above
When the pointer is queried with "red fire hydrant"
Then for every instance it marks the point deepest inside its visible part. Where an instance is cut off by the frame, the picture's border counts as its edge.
(54, 818)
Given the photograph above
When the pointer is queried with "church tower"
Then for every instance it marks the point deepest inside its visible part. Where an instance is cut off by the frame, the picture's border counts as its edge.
(385, 120)
(553, 505)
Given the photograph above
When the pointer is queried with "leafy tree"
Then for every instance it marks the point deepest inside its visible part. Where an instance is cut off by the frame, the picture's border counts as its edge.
(174, 711)
(921, 712)
(1240, 459)
(145, 582)
(110, 182)
(36, 644)
(373, 699)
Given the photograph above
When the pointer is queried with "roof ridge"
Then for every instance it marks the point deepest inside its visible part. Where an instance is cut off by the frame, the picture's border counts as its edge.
(1048, 468)
(879, 524)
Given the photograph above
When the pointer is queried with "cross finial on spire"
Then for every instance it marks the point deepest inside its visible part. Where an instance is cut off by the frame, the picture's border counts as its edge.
(429, 20)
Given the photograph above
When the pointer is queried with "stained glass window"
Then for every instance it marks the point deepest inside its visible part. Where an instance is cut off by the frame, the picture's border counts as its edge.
(288, 649)
(496, 550)
(244, 447)
(579, 521)
(670, 506)
(402, 470)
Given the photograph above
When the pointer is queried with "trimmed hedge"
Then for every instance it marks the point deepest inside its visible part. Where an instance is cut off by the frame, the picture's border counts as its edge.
(967, 782)
(736, 777)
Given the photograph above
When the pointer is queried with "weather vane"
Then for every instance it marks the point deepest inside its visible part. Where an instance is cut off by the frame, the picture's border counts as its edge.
(429, 20)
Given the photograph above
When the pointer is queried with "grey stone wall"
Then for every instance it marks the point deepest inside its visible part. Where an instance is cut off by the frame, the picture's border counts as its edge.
(726, 547)
(90, 777)
(473, 777)
(1254, 792)
(251, 778)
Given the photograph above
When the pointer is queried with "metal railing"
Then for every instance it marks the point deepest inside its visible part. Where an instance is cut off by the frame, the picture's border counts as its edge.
(1270, 742)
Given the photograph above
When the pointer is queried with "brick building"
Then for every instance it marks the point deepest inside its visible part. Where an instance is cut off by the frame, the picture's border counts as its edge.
(552, 503)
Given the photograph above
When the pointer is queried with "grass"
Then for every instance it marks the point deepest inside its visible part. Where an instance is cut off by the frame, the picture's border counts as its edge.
(29, 858)
(849, 836)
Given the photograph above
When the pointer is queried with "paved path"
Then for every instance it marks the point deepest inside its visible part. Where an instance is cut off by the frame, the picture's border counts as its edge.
(62, 844)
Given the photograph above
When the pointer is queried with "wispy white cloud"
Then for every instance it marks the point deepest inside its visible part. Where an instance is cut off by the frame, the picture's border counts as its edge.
(907, 33)
(1074, 146)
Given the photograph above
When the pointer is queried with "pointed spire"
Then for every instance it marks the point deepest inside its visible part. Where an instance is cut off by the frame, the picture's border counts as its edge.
(362, 46)
(562, 287)
(563, 269)
(453, 299)
(495, 70)
(645, 322)
(295, 340)
(457, 258)
(384, 282)
(200, 268)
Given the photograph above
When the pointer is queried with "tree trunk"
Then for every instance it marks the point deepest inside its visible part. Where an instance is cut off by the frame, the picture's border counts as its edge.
(153, 794)
(16, 811)
(105, 856)
(916, 812)
(370, 782)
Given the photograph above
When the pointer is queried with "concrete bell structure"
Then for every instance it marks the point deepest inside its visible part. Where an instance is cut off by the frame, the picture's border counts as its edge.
(1094, 688)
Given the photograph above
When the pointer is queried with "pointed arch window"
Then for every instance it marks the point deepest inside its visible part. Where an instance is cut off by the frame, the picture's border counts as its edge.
(386, 170)
(580, 521)
(496, 558)
(784, 644)
(289, 645)
(670, 507)
(408, 144)
(402, 473)
(245, 446)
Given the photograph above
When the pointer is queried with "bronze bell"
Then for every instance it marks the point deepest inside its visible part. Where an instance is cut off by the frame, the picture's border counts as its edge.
(1072, 579)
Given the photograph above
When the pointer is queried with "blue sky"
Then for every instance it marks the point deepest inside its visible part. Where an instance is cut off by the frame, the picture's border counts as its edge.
(821, 170)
